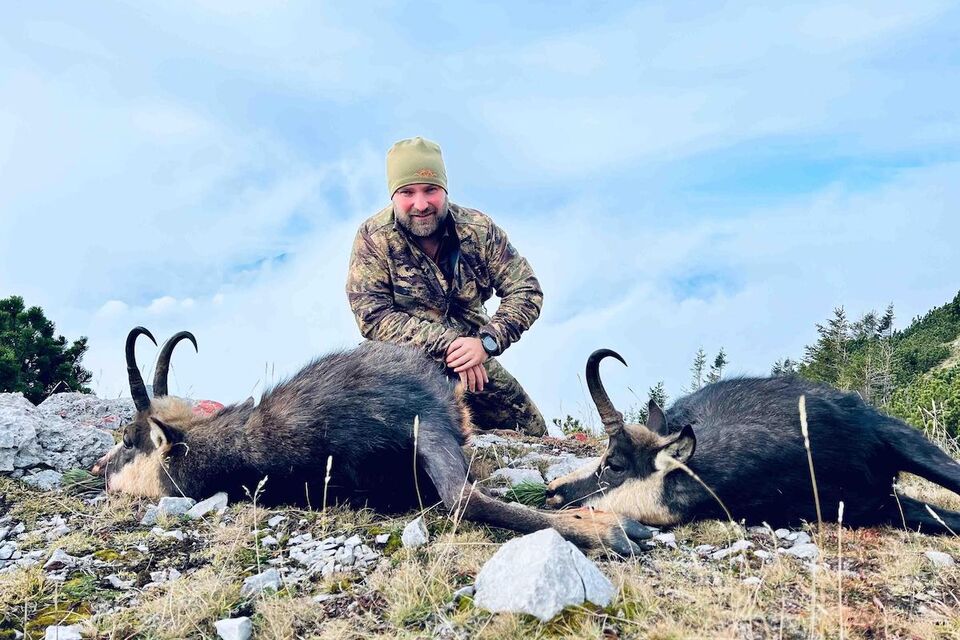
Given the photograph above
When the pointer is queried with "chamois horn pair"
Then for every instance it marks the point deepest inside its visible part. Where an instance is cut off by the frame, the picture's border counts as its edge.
(137, 389)
(611, 418)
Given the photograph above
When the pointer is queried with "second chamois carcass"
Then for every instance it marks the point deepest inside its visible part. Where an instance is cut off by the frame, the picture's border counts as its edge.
(742, 438)
(358, 407)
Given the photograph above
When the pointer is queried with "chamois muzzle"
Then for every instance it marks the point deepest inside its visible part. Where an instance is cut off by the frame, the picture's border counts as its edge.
(611, 418)
(163, 361)
(138, 391)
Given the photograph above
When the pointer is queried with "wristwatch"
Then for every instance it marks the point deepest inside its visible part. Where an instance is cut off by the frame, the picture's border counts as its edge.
(490, 344)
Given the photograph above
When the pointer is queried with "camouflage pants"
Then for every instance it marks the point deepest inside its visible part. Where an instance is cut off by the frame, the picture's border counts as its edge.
(503, 404)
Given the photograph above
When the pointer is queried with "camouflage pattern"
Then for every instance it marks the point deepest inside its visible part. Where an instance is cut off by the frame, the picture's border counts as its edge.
(503, 404)
(398, 294)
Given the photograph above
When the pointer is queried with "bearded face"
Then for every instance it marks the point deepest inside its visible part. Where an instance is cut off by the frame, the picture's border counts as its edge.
(420, 208)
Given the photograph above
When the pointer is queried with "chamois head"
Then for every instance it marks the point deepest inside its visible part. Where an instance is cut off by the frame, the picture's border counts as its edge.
(636, 454)
(133, 465)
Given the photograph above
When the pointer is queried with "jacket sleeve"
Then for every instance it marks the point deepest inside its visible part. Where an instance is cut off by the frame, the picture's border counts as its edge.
(370, 294)
(521, 297)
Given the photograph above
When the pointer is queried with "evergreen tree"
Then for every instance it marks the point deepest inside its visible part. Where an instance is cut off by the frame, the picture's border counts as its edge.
(32, 359)
(785, 367)
(716, 369)
(825, 359)
(699, 363)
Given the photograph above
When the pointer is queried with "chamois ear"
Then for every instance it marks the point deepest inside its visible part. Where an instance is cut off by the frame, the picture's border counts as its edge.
(162, 434)
(656, 421)
(679, 448)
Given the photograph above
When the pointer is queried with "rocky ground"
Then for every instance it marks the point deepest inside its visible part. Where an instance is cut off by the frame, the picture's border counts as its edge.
(118, 567)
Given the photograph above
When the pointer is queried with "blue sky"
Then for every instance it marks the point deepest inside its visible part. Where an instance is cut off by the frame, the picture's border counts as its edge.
(678, 176)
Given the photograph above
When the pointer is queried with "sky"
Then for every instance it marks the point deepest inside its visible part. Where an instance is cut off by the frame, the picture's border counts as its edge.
(678, 175)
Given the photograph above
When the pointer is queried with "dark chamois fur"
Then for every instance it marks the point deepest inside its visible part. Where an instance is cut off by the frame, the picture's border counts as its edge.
(357, 406)
(742, 437)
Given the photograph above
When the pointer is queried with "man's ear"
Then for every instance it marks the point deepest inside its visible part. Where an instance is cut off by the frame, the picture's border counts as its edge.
(679, 448)
(656, 421)
(162, 434)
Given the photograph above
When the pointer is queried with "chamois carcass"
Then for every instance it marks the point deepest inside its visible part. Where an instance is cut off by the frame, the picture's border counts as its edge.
(742, 438)
(356, 406)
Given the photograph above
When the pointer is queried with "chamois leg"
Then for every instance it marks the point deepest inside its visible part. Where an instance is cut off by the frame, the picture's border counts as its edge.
(441, 458)
(919, 519)
(920, 456)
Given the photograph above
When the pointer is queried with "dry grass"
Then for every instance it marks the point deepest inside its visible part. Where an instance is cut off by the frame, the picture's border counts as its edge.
(882, 586)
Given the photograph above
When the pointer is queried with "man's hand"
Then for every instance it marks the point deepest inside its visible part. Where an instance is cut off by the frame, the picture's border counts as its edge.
(474, 378)
(466, 357)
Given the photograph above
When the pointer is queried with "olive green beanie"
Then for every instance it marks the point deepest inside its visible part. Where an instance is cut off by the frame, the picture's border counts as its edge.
(415, 161)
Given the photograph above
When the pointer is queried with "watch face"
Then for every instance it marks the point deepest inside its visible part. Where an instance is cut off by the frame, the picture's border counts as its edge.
(489, 343)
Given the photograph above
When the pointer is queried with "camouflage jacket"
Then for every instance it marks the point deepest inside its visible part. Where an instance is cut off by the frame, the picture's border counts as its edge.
(398, 294)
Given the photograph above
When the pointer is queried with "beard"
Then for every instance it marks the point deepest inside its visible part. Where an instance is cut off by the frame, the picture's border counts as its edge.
(425, 226)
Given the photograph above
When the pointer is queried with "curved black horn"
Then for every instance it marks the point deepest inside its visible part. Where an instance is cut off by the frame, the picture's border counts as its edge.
(163, 361)
(611, 418)
(137, 389)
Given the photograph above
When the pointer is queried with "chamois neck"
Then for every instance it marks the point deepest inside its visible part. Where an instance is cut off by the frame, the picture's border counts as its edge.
(212, 458)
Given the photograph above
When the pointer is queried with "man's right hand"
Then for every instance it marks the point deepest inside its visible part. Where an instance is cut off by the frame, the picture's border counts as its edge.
(474, 378)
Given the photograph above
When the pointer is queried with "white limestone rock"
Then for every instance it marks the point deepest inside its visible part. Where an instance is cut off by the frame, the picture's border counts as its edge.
(518, 476)
(217, 502)
(415, 534)
(269, 579)
(31, 438)
(540, 574)
(234, 628)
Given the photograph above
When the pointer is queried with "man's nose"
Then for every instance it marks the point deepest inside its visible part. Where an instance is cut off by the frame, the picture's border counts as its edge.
(421, 203)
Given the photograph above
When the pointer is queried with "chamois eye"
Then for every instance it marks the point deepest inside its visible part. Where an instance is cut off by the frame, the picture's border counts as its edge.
(127, 439)
(614, 467)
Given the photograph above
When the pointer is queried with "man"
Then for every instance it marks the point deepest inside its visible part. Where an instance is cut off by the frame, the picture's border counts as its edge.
(420, 272)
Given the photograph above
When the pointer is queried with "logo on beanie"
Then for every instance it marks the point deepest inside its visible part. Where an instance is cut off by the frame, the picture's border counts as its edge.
(426, 173)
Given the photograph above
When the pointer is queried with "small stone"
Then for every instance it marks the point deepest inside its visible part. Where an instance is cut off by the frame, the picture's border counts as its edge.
(807, 551)
(758, 530)
(352, 541)
(71, 632)
(751, 581)
(540, 574)
(704, 548)
(763, 555)
(324, 597)
(58, 532)
(415, 534)
(217, 502)
(383, 538)
(6, 551)
(17, 530)
(305, 537)
(176, 534)
(150, 517)
(118, 583)
(45, 480)
(668, 539)
(463, 592)
(939, 558)
(275, 520)
(736, 547)
(3, 533)
(782, 533)
(518, 476)
(569, 465)
(234, 628)
(59, 559)
(269, 541)
(801, 537)
(169, 506)
(269, 579)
